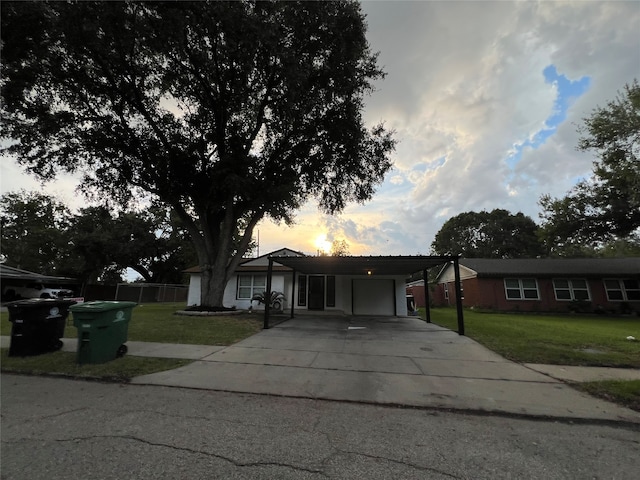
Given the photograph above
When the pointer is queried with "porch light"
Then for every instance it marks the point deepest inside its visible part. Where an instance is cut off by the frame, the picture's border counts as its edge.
(369, 272)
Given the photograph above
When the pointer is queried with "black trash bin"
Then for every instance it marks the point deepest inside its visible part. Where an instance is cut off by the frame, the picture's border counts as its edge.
(37, 325)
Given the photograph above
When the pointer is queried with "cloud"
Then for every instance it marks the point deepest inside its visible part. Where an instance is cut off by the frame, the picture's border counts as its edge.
(466, 84)
(467, 96)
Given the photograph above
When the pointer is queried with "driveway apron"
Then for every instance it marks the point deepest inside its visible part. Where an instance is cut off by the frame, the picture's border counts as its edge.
(384, 360)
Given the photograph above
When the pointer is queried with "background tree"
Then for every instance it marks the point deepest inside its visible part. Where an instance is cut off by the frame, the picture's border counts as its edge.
(102, 245)
(158, 248)
(606, 207)
(40, 234)
(339, 248)
(495, 234)
(34, 228)
(93, 250)
(225, 111)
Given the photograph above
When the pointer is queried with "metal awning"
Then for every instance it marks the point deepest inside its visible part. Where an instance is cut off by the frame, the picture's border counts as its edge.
(8, 273)
(369, 266)
(362, 265)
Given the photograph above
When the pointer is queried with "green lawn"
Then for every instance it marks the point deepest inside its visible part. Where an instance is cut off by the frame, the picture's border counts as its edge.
(157, 323)
(624, 392)
(149, 323)
(64, 363)
(561, 340)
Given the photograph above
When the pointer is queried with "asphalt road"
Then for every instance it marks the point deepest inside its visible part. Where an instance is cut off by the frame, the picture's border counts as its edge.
(63, 429)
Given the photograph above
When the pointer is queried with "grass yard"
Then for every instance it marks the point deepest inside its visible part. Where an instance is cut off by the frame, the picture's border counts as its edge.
(156, 322)
(624, 392)
(64, 364)
(561, 340)
(149, 323)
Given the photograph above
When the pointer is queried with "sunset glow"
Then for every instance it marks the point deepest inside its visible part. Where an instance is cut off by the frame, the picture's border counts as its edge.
(322, 244)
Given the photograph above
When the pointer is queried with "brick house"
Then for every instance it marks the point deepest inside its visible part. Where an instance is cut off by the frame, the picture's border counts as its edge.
(540, 285)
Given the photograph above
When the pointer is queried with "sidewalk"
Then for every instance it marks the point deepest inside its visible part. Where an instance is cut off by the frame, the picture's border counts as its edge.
(419, 365)
(199, 352)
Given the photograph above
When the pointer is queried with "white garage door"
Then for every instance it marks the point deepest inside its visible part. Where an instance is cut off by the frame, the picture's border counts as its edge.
(373, 297)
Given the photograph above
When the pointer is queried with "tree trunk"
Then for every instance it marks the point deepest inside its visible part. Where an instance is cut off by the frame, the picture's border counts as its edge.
(214, 247)
(212, 285)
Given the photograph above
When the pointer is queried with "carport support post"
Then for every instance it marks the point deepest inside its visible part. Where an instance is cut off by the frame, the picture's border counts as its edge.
(293, 291)
(456, 270)
(427, 301)
(267, 300)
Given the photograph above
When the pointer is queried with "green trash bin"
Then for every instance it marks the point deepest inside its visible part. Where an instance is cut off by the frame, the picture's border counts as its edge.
(102, 330)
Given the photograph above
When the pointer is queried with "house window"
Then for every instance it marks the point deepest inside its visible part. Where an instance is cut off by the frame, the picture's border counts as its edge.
(446, 291)
(622, 289)
(571, 289)
(302, 290)
(331, 291)
(521, 289)
(249, 285)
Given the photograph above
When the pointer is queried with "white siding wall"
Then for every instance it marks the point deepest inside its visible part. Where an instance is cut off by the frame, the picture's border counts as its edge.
(193, 297)
(230, 293)
(344, 294)
(449, 274)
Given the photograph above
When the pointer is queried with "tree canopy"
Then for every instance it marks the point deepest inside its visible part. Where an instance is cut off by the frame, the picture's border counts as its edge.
(495, 234)
(42, 235)
(226, 111)
(605, 207)
(33, 231)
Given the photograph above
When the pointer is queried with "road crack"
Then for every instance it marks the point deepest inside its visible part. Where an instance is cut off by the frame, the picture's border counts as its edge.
(421, 468)
(199, 452)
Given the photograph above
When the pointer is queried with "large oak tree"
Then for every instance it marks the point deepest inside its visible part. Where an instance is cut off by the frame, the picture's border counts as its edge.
(226, 111)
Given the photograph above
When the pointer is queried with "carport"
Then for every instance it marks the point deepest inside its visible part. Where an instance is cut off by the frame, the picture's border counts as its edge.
(368, 268)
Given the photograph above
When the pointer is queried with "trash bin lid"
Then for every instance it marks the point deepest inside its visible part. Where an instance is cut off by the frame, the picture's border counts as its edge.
(39, 302)
(101, 306)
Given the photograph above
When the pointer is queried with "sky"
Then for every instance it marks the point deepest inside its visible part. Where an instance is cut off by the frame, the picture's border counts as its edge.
(485, 99)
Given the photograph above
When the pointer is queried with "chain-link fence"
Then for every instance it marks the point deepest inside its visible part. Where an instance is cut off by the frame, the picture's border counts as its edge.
(151, 292)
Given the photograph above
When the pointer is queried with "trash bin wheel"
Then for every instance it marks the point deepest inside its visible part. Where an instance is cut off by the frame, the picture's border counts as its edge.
(58, 345)
(122, 350)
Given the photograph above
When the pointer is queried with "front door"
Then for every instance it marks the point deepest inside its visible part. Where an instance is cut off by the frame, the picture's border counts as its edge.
(316, 292)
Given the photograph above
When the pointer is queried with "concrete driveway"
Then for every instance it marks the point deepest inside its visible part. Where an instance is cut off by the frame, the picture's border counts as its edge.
(384, 360)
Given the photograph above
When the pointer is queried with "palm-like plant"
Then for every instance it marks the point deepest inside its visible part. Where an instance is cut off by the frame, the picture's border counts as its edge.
(275, 303)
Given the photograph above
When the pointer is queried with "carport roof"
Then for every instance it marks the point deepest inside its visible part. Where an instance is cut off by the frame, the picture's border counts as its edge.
(11, 273)
(359, 265)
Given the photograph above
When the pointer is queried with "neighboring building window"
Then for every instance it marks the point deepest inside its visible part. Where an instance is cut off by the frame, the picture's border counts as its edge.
(331, 291)
(446, 291)
(521, 289)
(571, 289)
(622, 290)
(302, 290)
(249, 285)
